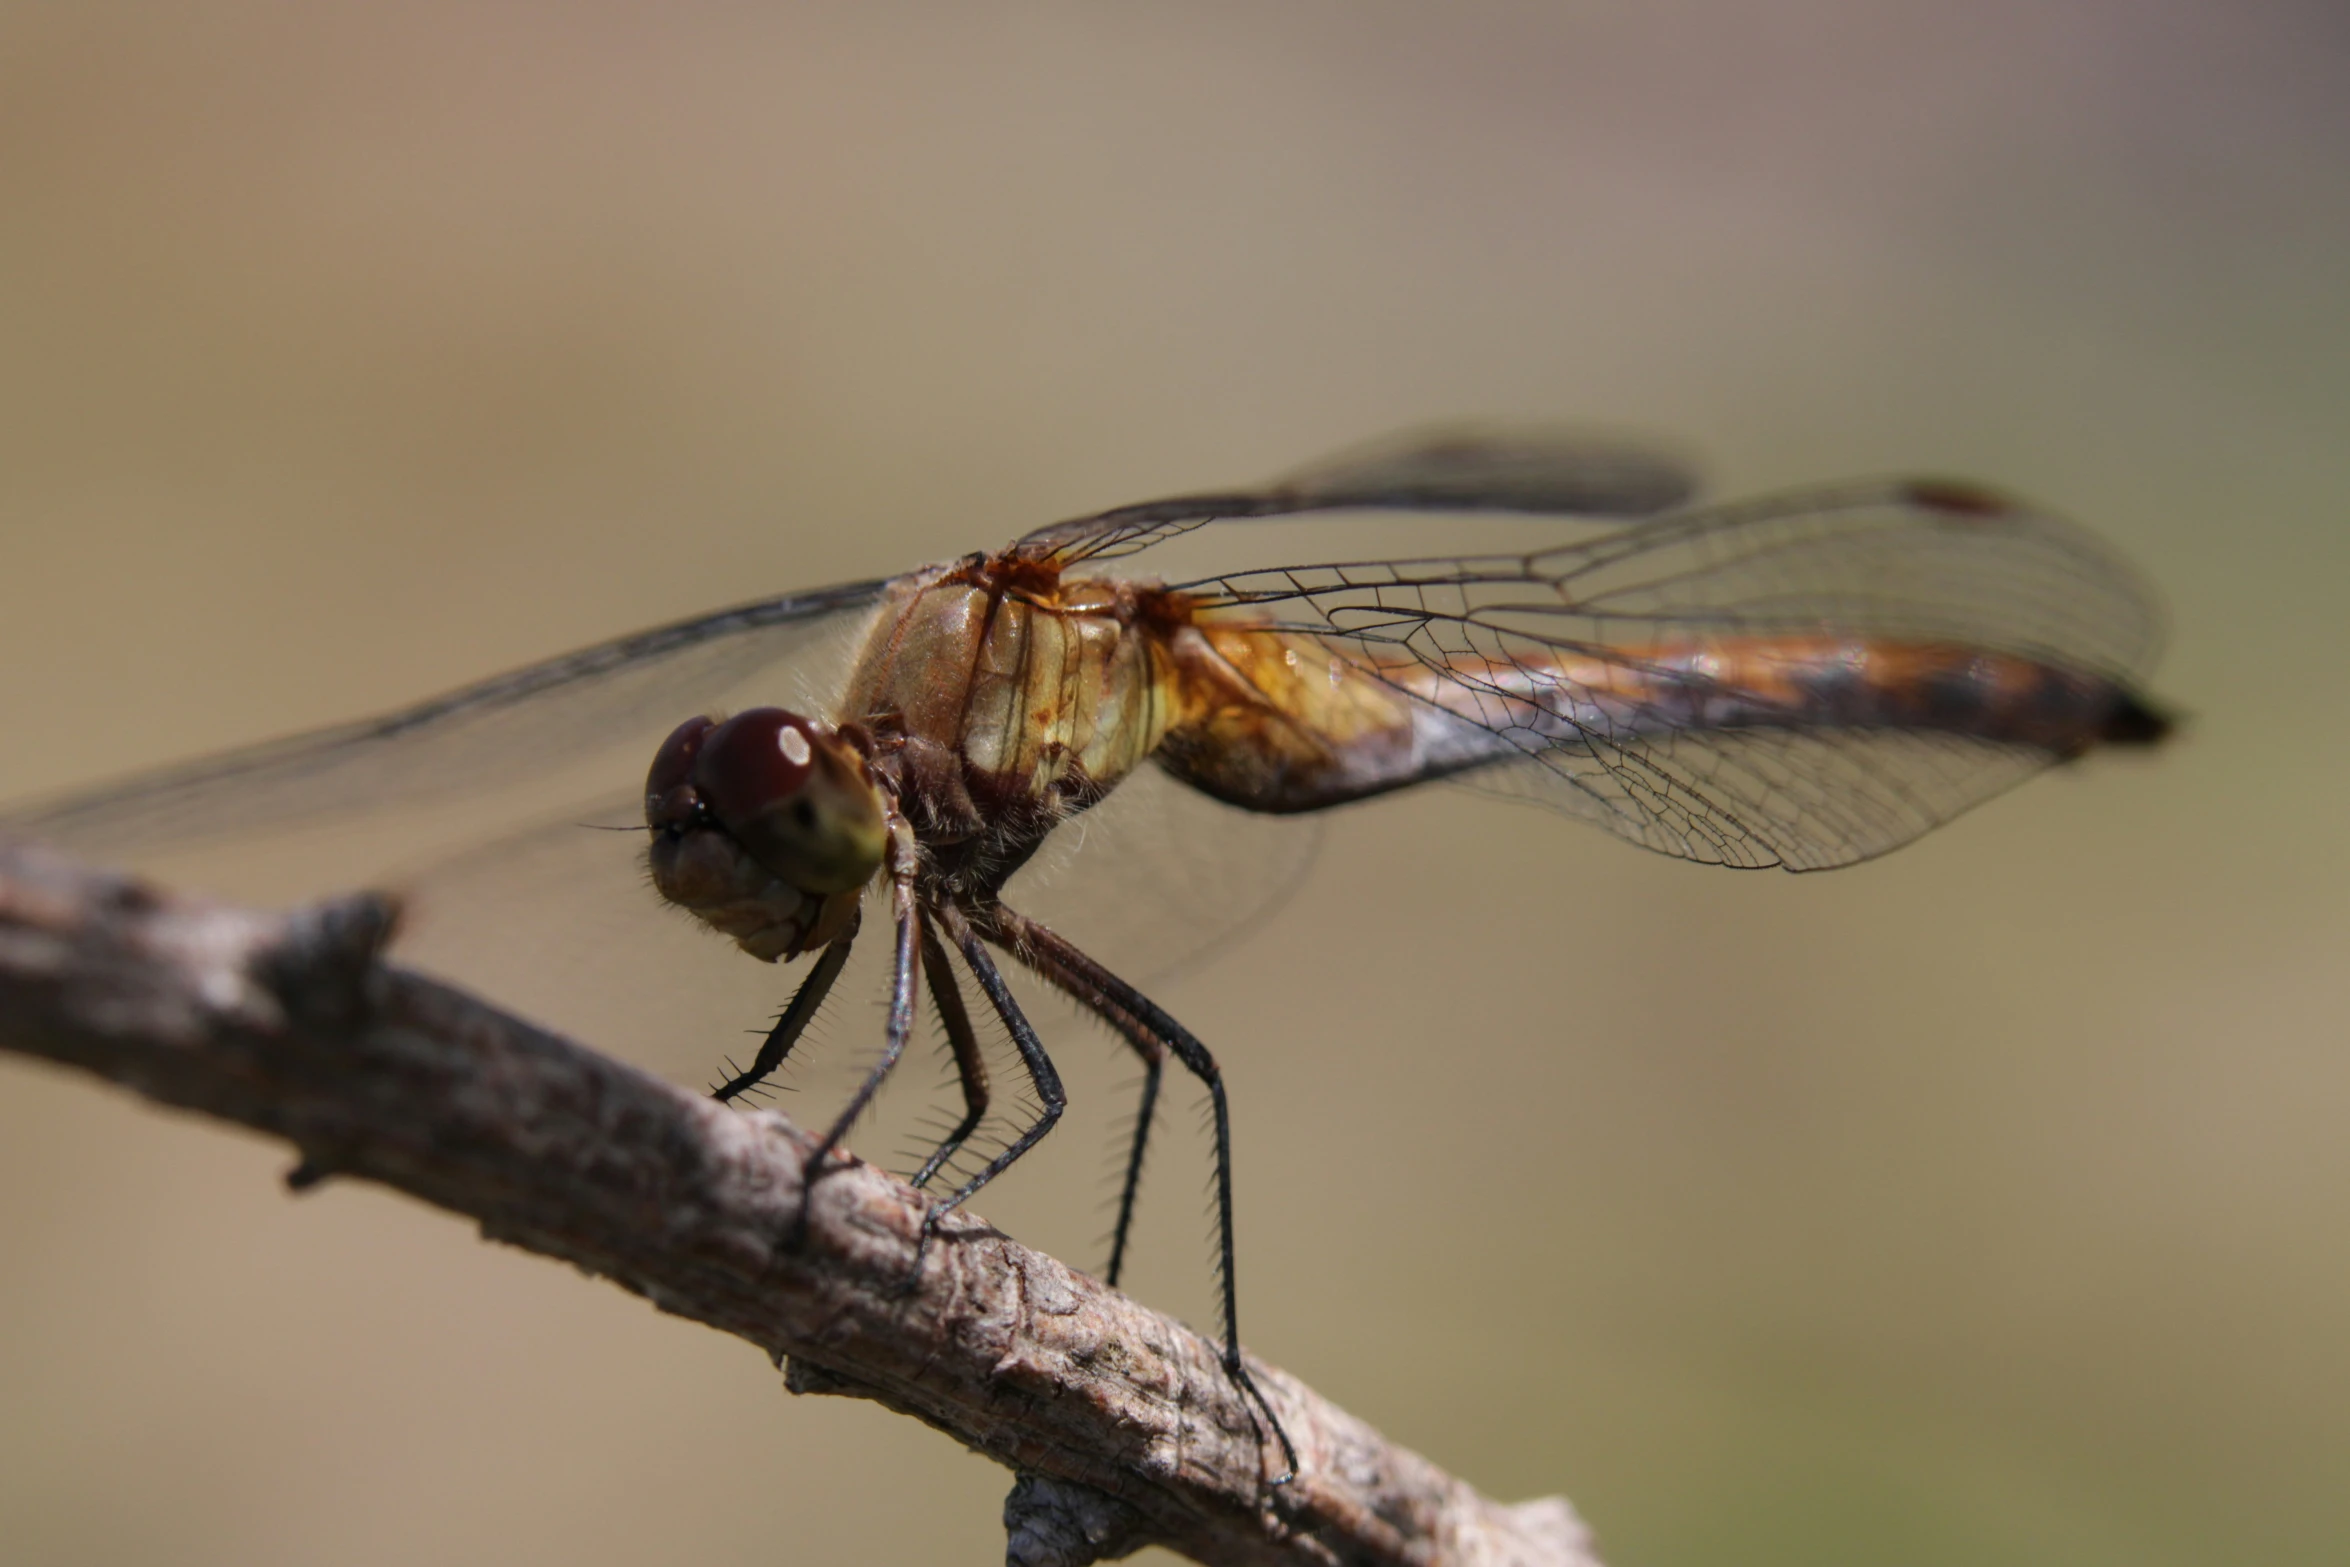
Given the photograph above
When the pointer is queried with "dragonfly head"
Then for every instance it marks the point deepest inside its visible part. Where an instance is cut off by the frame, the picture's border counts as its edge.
(765, 826)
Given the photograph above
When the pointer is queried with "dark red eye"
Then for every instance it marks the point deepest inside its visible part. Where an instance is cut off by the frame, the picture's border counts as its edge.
(669, 795)
(750, 764)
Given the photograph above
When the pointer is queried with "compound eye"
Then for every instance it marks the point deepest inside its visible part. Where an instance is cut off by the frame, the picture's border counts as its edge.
(669, 786)
(794, 796)
(752, 764)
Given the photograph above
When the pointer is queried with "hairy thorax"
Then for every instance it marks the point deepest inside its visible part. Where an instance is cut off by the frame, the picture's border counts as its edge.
(1000, 699)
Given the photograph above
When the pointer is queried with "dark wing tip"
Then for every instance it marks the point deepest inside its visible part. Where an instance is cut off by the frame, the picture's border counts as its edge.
(1549, 470)
(1958, 498)
(2136, 721)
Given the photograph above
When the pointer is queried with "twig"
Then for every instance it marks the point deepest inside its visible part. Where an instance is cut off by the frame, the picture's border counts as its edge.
(1122, 1427)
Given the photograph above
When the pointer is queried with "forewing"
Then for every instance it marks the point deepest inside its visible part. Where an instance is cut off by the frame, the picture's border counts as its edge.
(1907, 561)
(1537, 472)
(555, 917)
(490, 735)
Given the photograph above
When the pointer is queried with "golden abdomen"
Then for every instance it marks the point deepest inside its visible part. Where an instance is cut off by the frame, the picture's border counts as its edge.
(1282, 721)
(1277, 721)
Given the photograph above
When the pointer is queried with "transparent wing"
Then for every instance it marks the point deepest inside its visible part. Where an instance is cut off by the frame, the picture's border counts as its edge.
(1759, 798)
(1584, 676)
(556, 917)
(1158, 879)
(1543, 472)
(501, 731)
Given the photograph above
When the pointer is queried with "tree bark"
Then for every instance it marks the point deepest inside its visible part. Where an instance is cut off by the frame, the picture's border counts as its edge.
(1120, 1423)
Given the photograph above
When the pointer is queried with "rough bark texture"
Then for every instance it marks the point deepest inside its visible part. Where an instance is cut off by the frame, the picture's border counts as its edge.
(1120, 1423)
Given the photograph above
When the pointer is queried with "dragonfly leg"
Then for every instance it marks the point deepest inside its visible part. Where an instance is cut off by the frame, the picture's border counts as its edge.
(794, 1022)
(1125, 1009)
(1154, 1063)
(970, 1065)
(905, 976)
(1041, 1072)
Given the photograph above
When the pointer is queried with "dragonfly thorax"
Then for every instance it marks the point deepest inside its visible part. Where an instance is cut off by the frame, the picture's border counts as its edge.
(1001, 701)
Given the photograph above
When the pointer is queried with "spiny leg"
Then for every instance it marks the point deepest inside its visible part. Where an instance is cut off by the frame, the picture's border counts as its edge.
(1122, 1006)
(1041, 1072)
(794, 1022)
(1154, 1062)
(905, 975)
(970, 1065)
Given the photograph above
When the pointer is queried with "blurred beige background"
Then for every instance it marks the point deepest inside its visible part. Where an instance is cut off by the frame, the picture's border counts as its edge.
(1987, 1204)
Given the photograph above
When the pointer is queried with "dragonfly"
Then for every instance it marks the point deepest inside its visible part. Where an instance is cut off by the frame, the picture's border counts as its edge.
(1805, 680)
